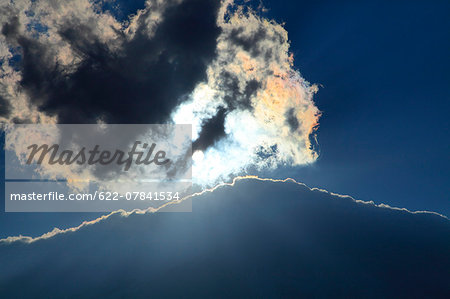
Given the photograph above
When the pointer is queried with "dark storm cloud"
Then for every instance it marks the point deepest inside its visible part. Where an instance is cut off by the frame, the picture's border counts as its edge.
(5, 107)
(213, 130)
(17, 120)
(140, 83)
(257, 239)
(236, 97)
(77, 62)
(254, 43)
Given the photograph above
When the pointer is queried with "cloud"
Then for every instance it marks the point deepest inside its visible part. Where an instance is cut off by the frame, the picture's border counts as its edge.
(103, 73)
(255, 108)
(4, 107)
(258, 236)
(215, 64)
(212, 130)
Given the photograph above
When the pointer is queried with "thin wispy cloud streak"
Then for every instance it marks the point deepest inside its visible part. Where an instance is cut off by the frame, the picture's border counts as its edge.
(122, 213)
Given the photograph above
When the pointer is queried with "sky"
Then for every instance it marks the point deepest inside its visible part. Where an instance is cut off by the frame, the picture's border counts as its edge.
(241, 241)
(383, 93)
(347, 96)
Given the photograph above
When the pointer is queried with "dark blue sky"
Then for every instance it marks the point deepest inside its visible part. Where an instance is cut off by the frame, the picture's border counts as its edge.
(384, 67)
(385, 101)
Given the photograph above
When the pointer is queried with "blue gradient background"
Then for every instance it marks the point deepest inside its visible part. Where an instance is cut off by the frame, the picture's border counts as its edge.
(384, 134)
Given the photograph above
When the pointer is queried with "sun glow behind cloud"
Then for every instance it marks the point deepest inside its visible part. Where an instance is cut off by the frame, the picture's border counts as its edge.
(251, 108)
